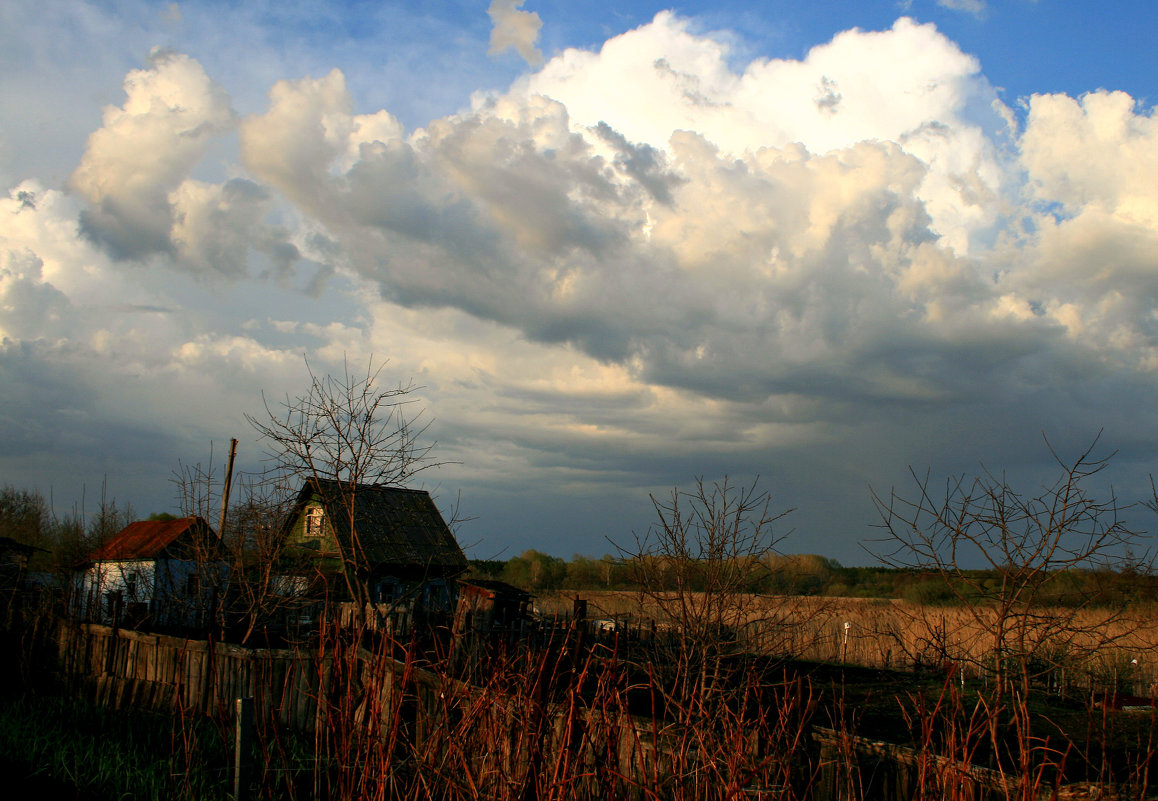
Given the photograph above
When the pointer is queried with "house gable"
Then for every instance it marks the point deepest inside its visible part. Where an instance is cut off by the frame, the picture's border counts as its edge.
(311, 528)
(394, 531)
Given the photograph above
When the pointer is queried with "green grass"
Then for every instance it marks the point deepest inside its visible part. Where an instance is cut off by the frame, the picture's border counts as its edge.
(67, 743)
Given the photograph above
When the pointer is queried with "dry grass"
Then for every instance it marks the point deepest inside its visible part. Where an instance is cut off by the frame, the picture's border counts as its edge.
(557, 722)
(1095, 645)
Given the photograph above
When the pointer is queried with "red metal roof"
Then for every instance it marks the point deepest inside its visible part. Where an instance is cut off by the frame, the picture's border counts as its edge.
(145, 539)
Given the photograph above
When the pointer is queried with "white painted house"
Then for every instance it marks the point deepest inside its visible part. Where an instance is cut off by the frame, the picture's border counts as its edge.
(167, 573)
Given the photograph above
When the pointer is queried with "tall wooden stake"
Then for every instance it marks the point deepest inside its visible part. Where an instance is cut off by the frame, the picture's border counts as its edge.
(228, 486)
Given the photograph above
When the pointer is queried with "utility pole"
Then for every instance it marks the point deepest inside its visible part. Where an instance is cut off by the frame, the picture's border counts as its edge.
(228, 486)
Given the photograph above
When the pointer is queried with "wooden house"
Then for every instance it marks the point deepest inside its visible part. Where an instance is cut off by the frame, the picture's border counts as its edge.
(167, 573)
(364, 542)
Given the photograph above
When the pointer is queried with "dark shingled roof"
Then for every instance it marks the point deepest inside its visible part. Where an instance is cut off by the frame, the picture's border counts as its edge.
(149, 539)
(10, 545)
(397, 529)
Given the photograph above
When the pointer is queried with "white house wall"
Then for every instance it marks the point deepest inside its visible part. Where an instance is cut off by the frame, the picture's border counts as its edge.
(163, 584)
(103, 579)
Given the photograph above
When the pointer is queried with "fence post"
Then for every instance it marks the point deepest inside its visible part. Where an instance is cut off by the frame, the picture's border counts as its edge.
(243, 749)
(579, 613)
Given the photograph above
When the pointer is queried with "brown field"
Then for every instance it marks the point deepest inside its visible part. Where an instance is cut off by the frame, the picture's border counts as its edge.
(1087, 646)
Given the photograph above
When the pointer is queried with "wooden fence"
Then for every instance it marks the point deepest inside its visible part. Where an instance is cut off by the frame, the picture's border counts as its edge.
(512, 732)
(119, 668)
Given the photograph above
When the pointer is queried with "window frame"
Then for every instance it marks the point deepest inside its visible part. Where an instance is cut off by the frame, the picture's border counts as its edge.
(314, 524)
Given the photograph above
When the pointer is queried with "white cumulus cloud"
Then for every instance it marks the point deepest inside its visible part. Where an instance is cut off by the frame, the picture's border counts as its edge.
(748, 268)
(144, 149)
(909, 85)
(634, 257)
(515, 29)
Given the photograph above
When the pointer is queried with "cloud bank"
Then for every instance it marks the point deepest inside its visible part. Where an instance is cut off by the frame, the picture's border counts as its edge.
(634, 265)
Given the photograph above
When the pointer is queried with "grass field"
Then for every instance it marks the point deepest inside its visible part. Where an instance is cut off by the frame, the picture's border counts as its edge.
(58, 747)
(1099, 648)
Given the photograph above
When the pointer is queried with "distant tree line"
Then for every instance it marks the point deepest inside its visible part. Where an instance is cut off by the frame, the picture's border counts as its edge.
(814, 575)
(64, 541)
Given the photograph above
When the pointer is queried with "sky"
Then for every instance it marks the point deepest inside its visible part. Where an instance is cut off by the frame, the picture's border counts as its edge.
(616, 247)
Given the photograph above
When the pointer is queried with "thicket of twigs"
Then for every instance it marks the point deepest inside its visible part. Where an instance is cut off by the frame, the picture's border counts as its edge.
(572, 713)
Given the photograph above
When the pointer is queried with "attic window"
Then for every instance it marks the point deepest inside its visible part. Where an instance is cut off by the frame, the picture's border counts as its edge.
(315, 518)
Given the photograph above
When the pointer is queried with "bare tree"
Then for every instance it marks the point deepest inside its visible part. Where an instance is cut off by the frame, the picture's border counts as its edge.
(353, 430)
(260, 594)
(1025, 544)
(1028, 541)
(348, 428)
(262, 588)
(696, 568)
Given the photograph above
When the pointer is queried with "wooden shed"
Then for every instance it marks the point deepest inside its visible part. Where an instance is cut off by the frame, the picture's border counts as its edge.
(167, 573)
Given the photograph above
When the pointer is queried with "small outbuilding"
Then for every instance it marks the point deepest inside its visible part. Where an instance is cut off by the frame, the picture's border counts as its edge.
(167, 573)
(486, 606)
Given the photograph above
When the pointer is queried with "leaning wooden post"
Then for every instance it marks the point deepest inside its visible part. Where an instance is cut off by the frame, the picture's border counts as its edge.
(243, 749)
(580, 626)
(226, 489)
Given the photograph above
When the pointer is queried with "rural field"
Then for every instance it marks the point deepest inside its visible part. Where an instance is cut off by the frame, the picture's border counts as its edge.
(1095, 645)
(800, 698)
(669, 673)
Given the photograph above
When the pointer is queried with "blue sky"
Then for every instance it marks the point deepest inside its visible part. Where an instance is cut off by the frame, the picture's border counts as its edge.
(619, 246)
